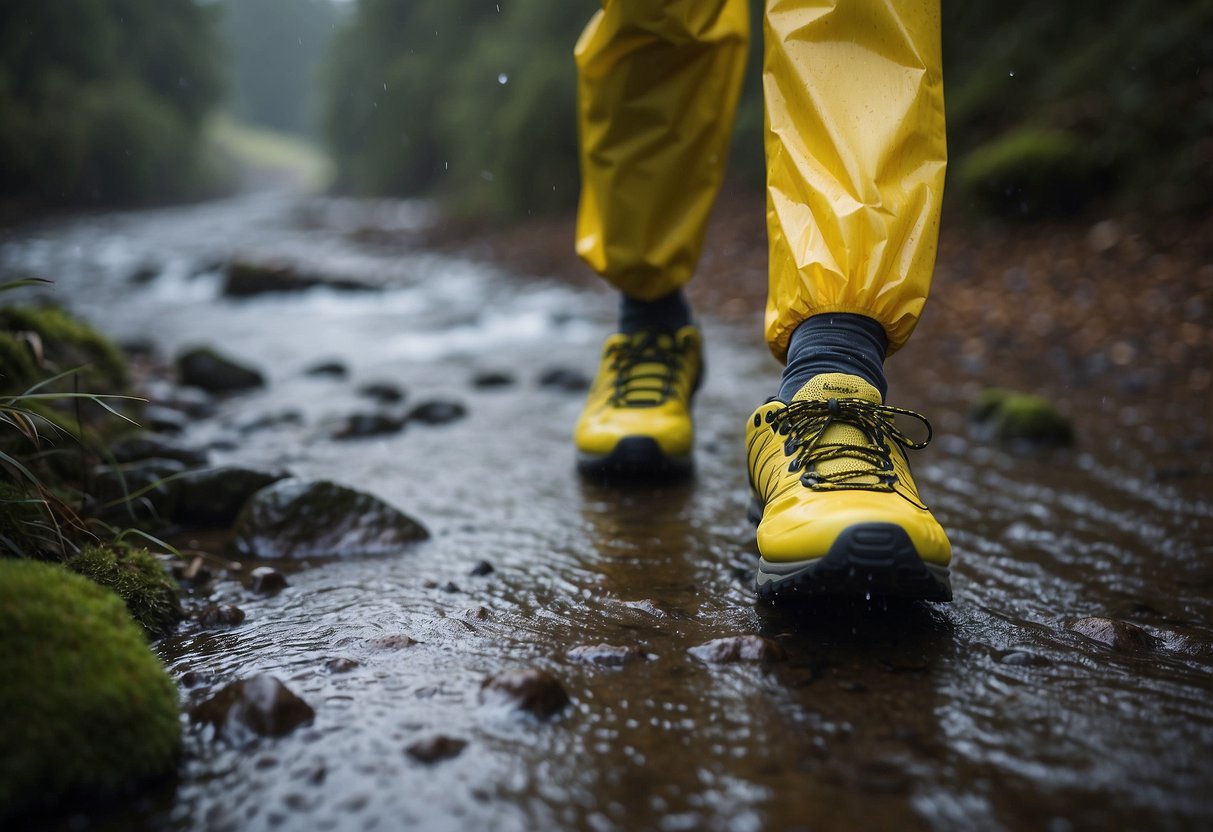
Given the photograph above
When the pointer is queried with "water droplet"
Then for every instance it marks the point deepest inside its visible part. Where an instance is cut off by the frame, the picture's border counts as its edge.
(1011, 73)
(867, 596)
(502, 78)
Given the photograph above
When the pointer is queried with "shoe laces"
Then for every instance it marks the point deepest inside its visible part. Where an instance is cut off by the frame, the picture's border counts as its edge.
(845, 464)
(646, 367)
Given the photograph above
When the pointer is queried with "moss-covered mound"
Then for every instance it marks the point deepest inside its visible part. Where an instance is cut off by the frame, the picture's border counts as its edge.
(62, 343)
(151, 596)
(1008, 416)
(86, 710)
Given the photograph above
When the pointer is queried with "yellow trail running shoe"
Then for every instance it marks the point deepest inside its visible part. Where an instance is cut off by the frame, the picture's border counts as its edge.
(637, 417)
(837, 508)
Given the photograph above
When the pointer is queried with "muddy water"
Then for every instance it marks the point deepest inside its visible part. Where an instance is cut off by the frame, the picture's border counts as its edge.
(986, 713)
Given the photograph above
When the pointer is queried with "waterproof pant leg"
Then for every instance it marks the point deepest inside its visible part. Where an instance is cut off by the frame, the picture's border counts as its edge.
(658, 84)
(855, 160)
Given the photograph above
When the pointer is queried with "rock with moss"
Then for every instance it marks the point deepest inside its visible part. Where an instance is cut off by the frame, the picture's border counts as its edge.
(152, 597)
(62, 343)
(1008, 416)
(86, 710)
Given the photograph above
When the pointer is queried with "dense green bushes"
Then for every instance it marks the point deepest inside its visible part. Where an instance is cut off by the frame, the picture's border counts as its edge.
(103, 102)
(415, 106)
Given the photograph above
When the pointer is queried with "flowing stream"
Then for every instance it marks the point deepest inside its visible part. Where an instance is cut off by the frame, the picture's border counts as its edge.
(987, 713)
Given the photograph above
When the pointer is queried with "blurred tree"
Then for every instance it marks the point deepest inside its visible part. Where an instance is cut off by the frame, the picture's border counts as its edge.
(103, 102)
(276, 48)
(1049, 104)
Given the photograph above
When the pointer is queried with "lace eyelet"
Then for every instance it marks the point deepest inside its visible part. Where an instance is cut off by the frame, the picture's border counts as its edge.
(757, 420)
(770, 416)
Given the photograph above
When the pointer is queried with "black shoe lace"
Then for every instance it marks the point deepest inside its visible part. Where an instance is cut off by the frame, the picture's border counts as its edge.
(805, 423)
(646, 368)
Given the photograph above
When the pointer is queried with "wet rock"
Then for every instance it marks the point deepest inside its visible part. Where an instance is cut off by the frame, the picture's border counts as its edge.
(143, 274)
(437, 412)
(142, 490)
(221, 615)
(150, 446)
(451, 587)
(1022, 658)
(340, 665)
(161, 419)
(327, 369)
(259, 706)
(265, 580)
(1007, 416)
(274, 419)
(606, 655)
(214, 496)
(246, 278)
(435, 749)
(482, 568)
(383, 392)
(750, 648)
(364, 425)
(393, 641)
(210, 370)
(489, 379)
(1120, 635)
(535, 692)
(565, 379)
(312, 519)
(646, 607)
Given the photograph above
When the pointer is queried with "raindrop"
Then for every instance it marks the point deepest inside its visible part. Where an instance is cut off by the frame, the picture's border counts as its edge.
(867, 596)
(1011, 73)
(502, 78)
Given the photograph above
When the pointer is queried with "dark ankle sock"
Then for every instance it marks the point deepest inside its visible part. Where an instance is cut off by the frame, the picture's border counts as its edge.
(666, 313)
(835, 343)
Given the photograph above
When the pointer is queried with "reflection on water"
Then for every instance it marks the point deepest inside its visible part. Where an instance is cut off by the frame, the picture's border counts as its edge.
(986, 713)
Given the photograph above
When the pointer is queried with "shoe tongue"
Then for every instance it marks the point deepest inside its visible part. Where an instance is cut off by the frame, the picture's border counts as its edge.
(828, 386)
(837, 386)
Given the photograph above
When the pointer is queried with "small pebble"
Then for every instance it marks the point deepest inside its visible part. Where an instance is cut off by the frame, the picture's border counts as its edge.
(749, 648)
(265, 580)
(481, 569)
(435, 749)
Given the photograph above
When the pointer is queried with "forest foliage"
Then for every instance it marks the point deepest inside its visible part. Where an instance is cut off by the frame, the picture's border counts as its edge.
(103, 102)
(1050, 105)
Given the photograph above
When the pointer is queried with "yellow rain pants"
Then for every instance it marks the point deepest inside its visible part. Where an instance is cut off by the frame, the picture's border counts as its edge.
(854, 143)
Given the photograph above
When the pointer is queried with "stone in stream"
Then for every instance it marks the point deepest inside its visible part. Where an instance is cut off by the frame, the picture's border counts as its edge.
(437, 412)
(340, 664)
(214, 372)
(316, 518)
(535, 692)
(193, 401)
(564, 379)
(482, 568)
(383, 392)
(489, 379)
(258, 706)
(115, 486)
(265, 580)
(246, 278)
(435, 749)
(327, 369)
(1120, 635)
(393, 641)
(149, 446)
(221, 615)
(364, 425)
(161, 419)
(214, 496)
(606, 655)
(749, 648)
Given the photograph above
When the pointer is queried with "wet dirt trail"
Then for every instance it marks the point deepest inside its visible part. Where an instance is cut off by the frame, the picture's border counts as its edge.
(989, 713)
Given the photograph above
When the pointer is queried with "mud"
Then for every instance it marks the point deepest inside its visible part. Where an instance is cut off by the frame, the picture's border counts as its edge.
(994, 712)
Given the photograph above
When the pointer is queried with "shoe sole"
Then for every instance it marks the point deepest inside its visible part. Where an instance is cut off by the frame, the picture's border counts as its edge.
(635, 457)
(869, 560)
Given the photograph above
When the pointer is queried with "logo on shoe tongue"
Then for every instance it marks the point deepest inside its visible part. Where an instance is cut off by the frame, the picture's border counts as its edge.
(835, 388)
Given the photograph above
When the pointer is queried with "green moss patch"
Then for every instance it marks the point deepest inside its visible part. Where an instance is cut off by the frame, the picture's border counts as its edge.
(150, 594)
(1008, 416)
(64, 343)
(88, 710)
